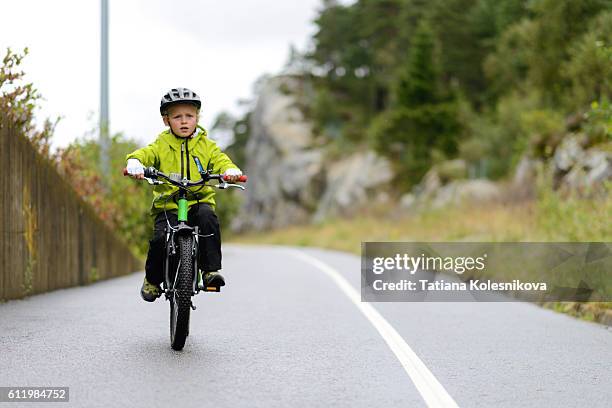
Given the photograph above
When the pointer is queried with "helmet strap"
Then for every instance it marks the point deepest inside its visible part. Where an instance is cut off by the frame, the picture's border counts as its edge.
(180, 137)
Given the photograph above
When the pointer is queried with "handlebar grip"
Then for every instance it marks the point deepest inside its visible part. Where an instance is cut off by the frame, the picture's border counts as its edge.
(146, 173)
(149, 172)
(241, 179)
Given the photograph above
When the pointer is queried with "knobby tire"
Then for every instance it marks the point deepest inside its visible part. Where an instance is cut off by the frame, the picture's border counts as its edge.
(180, 306)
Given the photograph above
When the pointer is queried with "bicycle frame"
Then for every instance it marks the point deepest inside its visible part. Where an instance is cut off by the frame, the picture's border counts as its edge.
(181, 228)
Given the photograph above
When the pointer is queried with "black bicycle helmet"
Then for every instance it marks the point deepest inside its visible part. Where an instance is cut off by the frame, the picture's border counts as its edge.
(179, 95)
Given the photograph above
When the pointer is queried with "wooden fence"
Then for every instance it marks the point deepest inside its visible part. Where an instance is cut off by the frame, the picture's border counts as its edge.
(49, 237)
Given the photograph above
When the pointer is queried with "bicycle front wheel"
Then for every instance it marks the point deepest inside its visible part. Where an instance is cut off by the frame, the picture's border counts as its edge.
(180, 303)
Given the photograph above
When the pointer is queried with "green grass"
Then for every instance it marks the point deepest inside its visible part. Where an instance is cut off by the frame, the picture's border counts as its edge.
(570, 218)
(483, 223)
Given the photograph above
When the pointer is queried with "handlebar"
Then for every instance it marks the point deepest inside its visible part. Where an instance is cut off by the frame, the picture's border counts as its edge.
(153, 173)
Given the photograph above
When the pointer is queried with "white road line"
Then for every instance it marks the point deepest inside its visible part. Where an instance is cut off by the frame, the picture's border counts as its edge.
(428, 386)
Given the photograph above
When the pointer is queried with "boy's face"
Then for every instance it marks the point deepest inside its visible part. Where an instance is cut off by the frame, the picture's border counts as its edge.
(182, 119)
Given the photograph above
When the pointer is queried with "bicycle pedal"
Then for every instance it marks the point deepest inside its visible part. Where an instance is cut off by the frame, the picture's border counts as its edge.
(212, 289)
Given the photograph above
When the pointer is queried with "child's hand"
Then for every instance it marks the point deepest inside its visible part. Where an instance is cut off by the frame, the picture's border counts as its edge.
(232, 175)
(135, 169)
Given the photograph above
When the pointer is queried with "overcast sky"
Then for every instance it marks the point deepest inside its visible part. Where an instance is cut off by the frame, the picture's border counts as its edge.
(217, 48)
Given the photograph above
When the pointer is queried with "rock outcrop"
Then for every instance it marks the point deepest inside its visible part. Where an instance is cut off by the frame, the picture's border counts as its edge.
(525, 176)
(579, 168)
(351, 183)
(281, 162)
(290, 179)
(446, 185)
(574, 167)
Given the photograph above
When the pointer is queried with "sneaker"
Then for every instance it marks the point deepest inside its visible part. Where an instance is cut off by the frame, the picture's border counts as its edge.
(213, 279)
(149, 292)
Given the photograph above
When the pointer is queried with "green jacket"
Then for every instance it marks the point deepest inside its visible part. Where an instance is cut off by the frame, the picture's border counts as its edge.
(165, 155)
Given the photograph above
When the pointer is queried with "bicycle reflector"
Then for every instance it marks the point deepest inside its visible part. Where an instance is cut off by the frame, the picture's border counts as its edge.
(199, 164)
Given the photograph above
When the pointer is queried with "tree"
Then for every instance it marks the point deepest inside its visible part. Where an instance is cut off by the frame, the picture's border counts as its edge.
(18, 102)
(507, 67)
(557, 24)
(419, 80)
(423, 121)
(461, 50)
(589, 69)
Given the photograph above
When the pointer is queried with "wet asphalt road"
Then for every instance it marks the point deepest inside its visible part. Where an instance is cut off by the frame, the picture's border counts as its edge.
(283, 333)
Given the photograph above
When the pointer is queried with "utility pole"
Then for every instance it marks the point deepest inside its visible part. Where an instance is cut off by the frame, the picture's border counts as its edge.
(104, 122)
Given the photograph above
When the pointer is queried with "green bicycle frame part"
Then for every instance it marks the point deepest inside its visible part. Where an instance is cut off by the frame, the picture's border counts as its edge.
(182, 209)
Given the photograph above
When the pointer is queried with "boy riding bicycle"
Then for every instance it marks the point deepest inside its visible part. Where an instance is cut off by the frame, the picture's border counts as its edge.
(173, 152)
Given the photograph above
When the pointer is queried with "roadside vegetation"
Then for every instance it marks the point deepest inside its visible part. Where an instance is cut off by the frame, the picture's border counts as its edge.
(548, 219)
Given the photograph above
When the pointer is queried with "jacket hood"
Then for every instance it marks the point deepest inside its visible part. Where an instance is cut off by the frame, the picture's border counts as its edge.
(175, 142)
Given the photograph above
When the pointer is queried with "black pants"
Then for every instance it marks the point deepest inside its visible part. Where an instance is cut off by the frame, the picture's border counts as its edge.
(205, 218)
